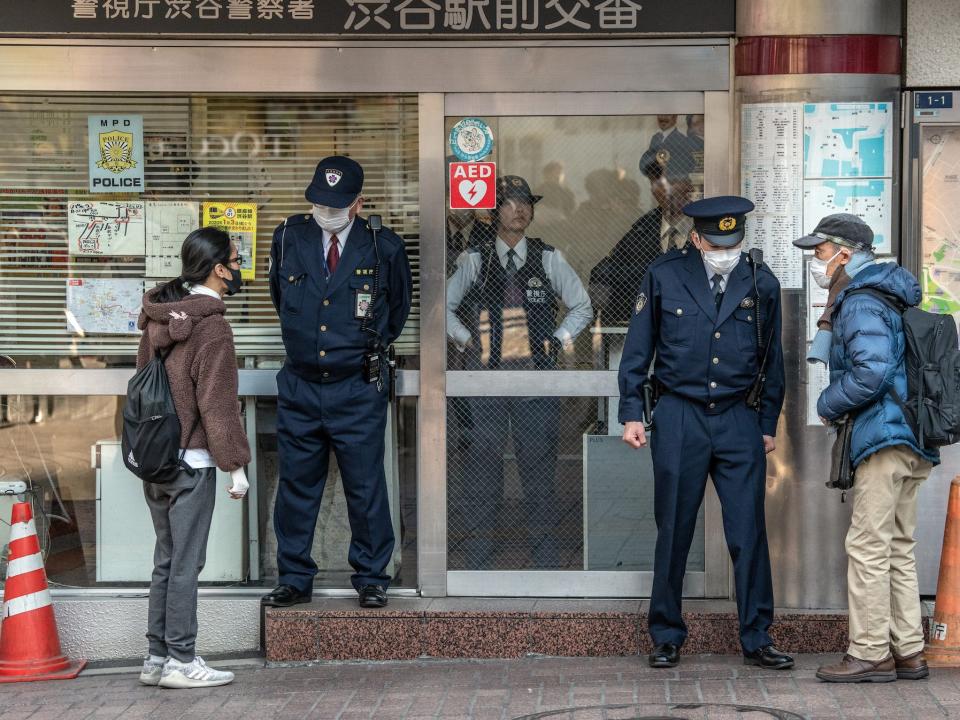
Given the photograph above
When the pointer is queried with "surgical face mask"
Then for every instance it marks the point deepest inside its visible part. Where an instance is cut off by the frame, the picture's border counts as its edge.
(333, 220)
(721, 262)
(818, 268)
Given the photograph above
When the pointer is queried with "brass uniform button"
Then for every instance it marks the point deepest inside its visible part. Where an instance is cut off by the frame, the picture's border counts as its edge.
(323, 328)
(326, 302)
(716, 361)
(716, 335)
(323, 353)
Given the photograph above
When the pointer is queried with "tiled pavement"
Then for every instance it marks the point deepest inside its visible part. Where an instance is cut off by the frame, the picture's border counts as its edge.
(705, 686)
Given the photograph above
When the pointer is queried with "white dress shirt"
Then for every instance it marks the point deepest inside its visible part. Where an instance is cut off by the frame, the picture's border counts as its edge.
(683, 226)
(723, 278)
(563, 280)
(341, 237)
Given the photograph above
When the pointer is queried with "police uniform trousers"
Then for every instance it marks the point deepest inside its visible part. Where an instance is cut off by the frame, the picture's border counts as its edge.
(727, 445)
(477, 498)
(347, 416)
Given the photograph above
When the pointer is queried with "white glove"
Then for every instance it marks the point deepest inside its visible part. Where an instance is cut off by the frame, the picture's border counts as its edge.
(240, 484)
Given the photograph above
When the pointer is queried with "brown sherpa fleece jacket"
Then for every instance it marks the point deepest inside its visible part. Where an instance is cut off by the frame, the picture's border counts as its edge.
(202, 368)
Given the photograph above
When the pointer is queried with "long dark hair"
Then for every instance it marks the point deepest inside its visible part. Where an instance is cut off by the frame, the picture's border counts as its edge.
(202, 251)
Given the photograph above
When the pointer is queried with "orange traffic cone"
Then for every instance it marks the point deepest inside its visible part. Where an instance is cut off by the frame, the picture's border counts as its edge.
(943, 650)
(29, 644)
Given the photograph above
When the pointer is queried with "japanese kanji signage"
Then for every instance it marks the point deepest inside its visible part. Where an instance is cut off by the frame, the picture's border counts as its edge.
(366, 17)
(472, 186)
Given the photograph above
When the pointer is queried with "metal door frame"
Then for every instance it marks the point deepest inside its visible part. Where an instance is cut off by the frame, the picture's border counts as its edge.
(716, 108)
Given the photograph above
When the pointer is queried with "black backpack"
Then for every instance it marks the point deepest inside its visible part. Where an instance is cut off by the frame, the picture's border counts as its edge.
(151, 428)
(932, 405)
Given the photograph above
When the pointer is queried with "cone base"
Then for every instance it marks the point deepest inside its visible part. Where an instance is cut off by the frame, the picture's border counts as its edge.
(940, 656)
(25, 673)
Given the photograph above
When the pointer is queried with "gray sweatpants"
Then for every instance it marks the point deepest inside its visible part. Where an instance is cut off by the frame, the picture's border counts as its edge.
(181, 512)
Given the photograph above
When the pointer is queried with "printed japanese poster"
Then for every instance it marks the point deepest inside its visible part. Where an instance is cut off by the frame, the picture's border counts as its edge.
(240, 221)
(818, 378)
(168, 224)
(106, 228)
(104, 306)
(771, 149)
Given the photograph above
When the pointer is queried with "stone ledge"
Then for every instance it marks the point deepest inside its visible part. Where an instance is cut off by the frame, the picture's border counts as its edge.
(458, 628)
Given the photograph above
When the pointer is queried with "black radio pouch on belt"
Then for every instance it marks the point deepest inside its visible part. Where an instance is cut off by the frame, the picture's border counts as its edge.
(372, 372)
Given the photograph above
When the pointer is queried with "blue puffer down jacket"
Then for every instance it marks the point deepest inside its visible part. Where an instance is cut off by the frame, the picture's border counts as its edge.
(866, 358)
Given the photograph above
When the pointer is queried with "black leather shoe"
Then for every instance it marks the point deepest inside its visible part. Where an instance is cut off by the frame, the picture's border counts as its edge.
(284, 596)
(769, 657)
(373, 596)
(666, 655)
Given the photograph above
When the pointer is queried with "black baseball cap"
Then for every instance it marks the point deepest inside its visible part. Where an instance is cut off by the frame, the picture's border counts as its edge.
(337, 182)
(843, 229)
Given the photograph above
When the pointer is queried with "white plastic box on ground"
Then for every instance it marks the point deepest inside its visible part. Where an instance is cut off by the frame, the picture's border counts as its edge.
(125, 536)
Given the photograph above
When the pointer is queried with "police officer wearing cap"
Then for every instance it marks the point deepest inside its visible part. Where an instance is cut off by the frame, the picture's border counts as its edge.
(615, 279)
(342, 290)
(695, 318)
(508, 288)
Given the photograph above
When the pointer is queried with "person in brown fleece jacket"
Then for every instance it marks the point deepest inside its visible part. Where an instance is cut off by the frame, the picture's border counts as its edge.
(184, 318)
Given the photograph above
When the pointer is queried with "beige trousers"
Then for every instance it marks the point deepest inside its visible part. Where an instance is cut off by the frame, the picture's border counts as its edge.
(882, 588)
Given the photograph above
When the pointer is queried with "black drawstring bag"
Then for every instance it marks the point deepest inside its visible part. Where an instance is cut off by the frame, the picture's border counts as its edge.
(151, 428)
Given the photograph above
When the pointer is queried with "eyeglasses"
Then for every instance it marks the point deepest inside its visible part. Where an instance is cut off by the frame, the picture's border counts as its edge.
(238, 261)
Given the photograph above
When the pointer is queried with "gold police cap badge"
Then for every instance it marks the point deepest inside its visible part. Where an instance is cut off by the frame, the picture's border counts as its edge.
(641, 303)
(727, 223)
(663, 157)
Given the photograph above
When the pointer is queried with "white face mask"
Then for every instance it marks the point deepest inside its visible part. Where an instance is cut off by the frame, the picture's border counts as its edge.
(333, 220)
(721, 262)
(818, 268)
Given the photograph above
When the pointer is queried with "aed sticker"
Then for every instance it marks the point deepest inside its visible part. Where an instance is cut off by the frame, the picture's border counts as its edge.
(471, 139)
(362, 304)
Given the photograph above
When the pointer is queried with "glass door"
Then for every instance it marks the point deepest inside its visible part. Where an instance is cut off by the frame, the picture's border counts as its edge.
(544, 256)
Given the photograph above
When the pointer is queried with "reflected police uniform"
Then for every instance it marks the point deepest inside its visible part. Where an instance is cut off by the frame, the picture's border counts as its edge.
(705, 355)
(324, 403)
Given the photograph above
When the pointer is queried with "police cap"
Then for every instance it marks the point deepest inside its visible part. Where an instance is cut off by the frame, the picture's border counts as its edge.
(842, 229)
(514, 186)
(720, 220)
(336, 182)
(670, 159)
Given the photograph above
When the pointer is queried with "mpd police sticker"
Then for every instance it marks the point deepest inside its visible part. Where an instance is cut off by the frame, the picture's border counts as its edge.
(641, 303)
(471, 139)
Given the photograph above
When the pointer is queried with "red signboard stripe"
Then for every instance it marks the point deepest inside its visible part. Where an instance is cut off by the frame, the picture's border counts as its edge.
(818, 54)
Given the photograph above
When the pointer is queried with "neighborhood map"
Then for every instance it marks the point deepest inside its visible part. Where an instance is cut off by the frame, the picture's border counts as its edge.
(940, 156)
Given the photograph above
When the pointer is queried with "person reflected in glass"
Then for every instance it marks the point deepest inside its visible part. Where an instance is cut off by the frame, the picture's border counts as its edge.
(615, 280)
(510, 289)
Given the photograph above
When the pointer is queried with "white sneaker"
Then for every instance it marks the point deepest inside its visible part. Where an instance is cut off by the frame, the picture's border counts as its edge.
(196, 674)
(152, 670)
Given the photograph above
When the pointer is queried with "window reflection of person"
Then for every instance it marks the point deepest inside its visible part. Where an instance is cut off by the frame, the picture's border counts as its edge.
(615, 280)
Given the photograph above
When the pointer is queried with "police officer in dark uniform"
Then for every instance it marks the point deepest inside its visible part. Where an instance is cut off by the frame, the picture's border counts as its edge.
(508, 288)
(708, 317)
(343, 294)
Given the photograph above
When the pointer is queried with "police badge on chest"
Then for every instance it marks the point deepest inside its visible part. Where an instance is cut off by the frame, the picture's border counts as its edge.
(536, 293)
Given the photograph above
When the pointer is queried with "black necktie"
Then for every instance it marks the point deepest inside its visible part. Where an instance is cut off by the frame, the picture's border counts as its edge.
(716, 281)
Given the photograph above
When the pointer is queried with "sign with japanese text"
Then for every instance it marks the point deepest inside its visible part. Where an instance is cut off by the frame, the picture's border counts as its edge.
(472, 186)
(240, 221)
(115, 145)
(366, 17)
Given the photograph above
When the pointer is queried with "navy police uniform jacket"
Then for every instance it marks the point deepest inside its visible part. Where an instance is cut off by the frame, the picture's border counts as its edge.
(320, 317)
(702, 353)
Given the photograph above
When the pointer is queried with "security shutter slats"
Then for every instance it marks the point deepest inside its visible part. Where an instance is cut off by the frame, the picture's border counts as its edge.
(200, 148)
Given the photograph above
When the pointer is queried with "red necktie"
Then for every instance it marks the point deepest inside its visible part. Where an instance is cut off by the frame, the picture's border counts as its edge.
(333, 256)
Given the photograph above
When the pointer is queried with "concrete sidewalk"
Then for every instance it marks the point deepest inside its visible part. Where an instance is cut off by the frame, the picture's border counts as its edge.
(704, 686)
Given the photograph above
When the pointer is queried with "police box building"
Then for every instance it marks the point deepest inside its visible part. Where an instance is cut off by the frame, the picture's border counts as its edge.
(534, 157)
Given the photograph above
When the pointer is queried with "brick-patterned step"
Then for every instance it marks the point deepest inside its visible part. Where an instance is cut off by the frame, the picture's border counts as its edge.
(336, 629)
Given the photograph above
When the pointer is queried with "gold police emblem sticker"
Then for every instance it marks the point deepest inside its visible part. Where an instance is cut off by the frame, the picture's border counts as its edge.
(727, 223)
(116, 151)
(641, 303)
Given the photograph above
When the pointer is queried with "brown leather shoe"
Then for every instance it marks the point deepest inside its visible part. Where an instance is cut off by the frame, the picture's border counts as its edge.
(851, 670)
(912, 667)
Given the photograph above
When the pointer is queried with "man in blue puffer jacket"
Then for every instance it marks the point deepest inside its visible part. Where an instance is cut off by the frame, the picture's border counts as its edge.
(866, 358)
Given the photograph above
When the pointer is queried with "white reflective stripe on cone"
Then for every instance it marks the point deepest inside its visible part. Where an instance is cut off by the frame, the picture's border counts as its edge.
(26, 603)
(24, 565)
(20, 530)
